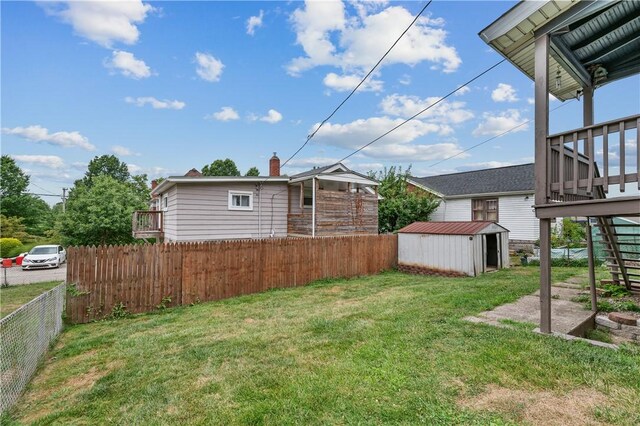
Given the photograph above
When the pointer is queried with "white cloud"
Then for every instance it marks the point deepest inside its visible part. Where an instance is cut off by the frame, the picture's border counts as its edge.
(254, 22)
(504, 93)
(444, 112)
(395, 146)
(209, 68)
(330, 36)
(496, 124)
(38, 133)
(123, 151)
(405, 80)
(272, 117)
(151, 172)
(128, 65)
(225, 114)
(51, 161)
(344, 83)
(462, 90)
(155, 103)
(311, 162)
(104, 22)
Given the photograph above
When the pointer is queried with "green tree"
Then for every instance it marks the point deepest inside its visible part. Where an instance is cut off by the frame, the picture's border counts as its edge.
(14, 180)
(12, 227)
(225, 167)
(399, 206)
(253, 172)
(571, 235)
(108, 165)
(101, 213)
(33, 212)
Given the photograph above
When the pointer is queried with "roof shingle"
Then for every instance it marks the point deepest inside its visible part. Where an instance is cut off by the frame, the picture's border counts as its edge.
(500, 179)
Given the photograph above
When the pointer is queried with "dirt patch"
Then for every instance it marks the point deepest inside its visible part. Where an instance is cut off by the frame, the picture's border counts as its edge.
(75, 385)
(540, 407)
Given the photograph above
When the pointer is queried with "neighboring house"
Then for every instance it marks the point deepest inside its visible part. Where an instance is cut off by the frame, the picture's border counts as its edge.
(330, 200)
(503, 195)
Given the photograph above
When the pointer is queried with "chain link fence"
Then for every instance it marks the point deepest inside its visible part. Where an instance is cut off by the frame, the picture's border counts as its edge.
(25, 336)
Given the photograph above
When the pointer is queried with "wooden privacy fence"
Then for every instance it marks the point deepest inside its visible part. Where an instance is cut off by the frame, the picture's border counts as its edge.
(106, 280)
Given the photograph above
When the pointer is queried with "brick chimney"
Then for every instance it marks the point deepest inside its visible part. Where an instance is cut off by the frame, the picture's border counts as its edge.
(274, 165)
(154, 184)
(193, 173)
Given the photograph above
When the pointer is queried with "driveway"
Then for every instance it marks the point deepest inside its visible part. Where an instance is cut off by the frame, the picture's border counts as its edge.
(16, 275)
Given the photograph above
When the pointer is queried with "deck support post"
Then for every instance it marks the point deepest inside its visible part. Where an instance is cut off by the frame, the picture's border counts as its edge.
(592, 272)
(587, 106)
(545, 275)
(541, 174)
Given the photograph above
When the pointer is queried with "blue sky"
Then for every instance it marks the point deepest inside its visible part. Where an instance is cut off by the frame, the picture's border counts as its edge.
(168, 86)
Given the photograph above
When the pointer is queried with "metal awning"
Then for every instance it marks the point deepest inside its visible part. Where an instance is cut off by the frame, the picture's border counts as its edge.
(592, 42)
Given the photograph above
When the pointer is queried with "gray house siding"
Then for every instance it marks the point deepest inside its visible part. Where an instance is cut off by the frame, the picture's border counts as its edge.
(170, 224)
(203, 212)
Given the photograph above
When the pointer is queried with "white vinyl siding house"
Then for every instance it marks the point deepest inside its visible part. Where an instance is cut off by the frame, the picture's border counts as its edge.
(512, 187)
(515, 213)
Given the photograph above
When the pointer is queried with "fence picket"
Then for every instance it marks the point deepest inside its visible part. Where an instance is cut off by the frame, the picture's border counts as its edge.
(140, 276)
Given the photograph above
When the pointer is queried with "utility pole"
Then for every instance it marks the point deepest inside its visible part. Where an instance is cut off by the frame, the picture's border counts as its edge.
(64, 199)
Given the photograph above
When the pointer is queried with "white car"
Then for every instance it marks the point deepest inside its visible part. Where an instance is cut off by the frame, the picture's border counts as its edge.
(49, 256)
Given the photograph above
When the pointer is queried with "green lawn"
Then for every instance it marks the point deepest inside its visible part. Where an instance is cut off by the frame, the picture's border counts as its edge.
(11, 298)
(388, 349)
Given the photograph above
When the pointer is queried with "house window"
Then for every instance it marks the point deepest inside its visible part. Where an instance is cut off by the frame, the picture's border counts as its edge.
(308, 197)
(240, 200)
(165, 202)
(484, 209)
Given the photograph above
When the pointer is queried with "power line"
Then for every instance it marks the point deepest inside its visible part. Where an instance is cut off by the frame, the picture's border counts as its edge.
(496, 136)
(43, 195)
(310, 136)
(38, 186)
(423, 110)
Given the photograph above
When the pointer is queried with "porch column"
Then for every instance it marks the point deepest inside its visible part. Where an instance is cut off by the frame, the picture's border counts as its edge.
(592, 272)
(541, 170)
(587, 120)
(313, 207)
(587, 106)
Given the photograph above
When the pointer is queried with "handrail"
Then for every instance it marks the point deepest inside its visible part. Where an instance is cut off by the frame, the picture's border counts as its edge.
(573, 175)
(147, 221)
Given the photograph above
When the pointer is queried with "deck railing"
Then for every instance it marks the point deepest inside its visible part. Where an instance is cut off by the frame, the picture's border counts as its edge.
(579, 174)
(147, 222)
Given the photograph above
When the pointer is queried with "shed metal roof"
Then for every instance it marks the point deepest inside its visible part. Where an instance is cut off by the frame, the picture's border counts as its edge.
(518, 178)
(591, 41)
(447, 228)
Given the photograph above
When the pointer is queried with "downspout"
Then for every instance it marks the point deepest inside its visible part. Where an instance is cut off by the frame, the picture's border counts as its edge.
(259, 210)
(313, 207)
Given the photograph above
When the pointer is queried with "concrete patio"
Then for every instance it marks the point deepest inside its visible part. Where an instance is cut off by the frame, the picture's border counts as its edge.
(568, 317)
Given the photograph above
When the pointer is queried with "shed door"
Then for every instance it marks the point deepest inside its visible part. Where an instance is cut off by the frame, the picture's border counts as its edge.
(493, 251)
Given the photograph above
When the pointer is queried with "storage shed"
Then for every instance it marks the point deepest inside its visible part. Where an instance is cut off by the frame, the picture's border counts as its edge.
(453, 248)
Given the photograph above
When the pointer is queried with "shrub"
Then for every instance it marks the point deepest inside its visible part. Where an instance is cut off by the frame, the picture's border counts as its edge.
(579, 263)
(8, 246)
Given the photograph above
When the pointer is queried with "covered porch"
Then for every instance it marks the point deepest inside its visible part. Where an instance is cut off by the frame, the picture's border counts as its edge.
(332, 202)
(570, 49)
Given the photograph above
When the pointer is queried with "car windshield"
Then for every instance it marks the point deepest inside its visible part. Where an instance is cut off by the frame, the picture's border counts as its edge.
(44, 250)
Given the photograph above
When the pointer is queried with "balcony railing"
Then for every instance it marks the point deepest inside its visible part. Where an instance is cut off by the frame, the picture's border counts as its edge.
(579, 176)
(147, 223)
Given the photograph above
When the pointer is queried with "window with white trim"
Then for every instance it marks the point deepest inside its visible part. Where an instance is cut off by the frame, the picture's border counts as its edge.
(240, 200)
(165, 202)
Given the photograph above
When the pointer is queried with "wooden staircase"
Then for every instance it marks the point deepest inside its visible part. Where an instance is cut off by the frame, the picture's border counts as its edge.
(622, 247)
